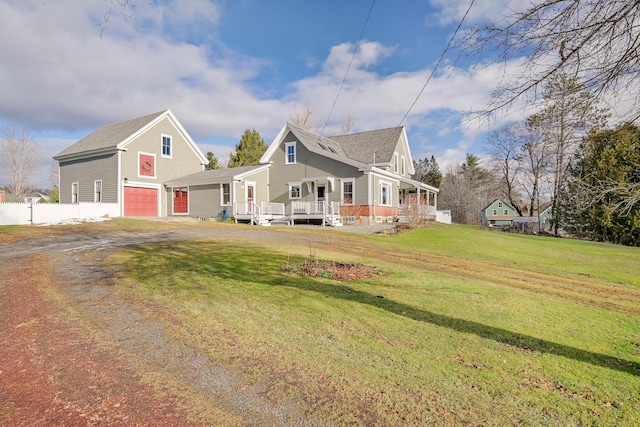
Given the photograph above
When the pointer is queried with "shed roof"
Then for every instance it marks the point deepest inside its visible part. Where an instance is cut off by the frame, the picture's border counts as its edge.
(214, 176)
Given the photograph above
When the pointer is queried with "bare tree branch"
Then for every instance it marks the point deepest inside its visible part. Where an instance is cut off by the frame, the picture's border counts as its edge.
(595, 41)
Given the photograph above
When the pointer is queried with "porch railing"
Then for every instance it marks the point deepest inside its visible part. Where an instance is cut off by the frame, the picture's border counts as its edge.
(308, 208)
(418, 211)
(269, 208)
(246, 208)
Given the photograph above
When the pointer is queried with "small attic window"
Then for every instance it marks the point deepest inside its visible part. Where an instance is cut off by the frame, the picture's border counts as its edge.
(332, 150)
(324, 147)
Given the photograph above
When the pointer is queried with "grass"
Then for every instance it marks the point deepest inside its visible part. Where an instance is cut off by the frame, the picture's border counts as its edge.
(444, 338)
(14, 233)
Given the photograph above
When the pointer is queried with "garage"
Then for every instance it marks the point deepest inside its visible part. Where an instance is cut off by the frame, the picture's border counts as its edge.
(139, 201)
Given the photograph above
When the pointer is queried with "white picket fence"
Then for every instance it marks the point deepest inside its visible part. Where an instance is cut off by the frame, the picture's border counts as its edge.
(51, 213)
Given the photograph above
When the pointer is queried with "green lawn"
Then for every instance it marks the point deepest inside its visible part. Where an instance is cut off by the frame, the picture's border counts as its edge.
(467, 326)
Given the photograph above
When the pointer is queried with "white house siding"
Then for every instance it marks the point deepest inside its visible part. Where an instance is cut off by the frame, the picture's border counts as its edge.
(85, 172)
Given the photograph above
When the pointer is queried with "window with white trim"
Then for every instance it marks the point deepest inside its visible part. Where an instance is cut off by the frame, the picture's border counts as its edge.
(506, 211)
(495, 212)
(295, 190)
(395, 162)
(225, 194)
(166, 146)
(385, 194)
(75, 190)
(290, 153)
(348, 189)
(499, 204)
(402, 165)
(97, 191)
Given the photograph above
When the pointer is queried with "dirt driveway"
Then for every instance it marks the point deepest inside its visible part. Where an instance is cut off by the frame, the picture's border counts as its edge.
(71, 347)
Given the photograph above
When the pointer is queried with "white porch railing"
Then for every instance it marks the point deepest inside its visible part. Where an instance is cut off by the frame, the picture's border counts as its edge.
(245, 208)
(253, 208)
(308, 208)
(415, 211)
(269, 208)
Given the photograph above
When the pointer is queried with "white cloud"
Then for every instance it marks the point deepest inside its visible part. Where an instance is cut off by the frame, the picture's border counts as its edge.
(452, 11)
(59, 73)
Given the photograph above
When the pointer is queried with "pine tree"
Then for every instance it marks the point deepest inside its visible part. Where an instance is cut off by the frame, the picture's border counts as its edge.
(249, 150)
(214, 163)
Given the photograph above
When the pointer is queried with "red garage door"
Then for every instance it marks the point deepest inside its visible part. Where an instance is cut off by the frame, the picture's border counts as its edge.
(140, 201)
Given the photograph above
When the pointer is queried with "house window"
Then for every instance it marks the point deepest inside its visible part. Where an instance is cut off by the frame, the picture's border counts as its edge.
(395, 162)
(97, 191)
(402, 166)
(225, 194)
(495, 212)
(290, 148)
(75, 187)
(506, 211)
(347, 191)
(385, 194)
(499, 204)
(166, 146)
(146, 165)
(295, 190)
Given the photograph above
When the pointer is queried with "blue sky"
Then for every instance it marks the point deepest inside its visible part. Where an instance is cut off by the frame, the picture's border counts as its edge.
(225, 66)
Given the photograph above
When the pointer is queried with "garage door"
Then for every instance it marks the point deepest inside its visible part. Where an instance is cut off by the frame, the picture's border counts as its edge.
(140, 201)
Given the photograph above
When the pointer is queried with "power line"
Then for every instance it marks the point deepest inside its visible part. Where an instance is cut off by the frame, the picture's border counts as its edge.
(348, 67)
(433, 71)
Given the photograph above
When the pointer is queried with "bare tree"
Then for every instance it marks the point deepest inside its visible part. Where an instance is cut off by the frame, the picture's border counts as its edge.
(20, 158)
(595, 41)
(568, 112)
(536, 155)
(466, 189)
(303, 118)
(504, 146)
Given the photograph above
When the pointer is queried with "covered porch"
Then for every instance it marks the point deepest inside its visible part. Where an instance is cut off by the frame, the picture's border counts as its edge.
(417, 202)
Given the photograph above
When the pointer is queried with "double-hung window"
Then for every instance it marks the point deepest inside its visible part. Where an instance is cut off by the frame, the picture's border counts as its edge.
(295, 190)
(97, 191)
(290, 150)
(166, 146)
(347, 191)
(385, 194)
(75, 189)
(225, 194)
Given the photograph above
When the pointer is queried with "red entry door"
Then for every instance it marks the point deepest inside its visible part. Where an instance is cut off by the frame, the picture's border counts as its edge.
(250, 196)
(180, 200)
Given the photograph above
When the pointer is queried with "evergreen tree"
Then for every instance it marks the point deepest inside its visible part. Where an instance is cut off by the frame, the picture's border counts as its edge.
(427, 171)
(214, 163)
(249, 150)
(603, 195)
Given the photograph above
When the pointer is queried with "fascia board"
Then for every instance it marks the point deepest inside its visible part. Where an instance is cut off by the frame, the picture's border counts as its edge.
(274, 145)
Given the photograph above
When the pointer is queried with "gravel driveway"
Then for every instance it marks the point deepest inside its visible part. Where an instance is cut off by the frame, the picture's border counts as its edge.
(71, 348)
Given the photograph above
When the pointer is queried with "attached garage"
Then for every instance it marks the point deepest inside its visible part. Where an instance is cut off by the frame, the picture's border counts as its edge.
(140, 201)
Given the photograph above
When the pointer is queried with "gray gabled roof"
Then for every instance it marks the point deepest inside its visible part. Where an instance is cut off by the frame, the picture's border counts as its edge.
(362, 146)
(213, 176)
(109, 136)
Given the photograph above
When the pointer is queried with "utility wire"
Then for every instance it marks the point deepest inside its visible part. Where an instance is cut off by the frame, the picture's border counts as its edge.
(348, 67)
(433, 71)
